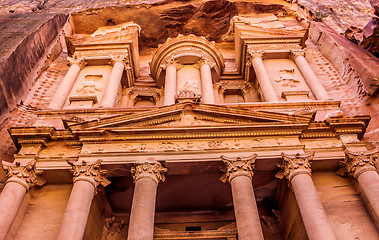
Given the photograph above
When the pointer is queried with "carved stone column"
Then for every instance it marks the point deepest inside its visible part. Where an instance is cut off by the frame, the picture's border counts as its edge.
(68, 82)
(239, 172)
(297, 170)
(146, 176)
(21, 177)
(308, 74)
(86, 178)
(113, 84)
(170, 84)
(207, 83)
(263, 78)
(362, 167)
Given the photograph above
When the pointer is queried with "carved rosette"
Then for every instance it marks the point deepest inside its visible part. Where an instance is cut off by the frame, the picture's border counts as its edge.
(238, 167)
(24, 174)
(297, 52)
(357, 163)
(80, 61)
(152, 170)
(296, 164)
(90, 172)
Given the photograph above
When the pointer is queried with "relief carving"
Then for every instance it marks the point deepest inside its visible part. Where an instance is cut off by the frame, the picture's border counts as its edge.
(287, 78)
(357, 163)
(24, 174)
(169, 146)
(89, 85)
(153, 170)
(235, 167)
(295, 164)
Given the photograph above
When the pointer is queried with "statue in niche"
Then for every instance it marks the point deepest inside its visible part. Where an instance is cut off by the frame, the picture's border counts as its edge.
(189, 80)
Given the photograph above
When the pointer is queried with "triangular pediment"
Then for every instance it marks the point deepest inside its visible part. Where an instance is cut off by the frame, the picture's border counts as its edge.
(190, 114)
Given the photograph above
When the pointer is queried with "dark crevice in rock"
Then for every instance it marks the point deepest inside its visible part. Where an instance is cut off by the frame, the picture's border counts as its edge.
(168, 19)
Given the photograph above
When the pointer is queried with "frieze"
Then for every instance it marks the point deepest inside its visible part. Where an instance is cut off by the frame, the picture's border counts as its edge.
(174, 146)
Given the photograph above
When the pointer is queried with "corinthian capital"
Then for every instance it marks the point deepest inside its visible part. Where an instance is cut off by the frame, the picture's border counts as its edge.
(297, 52)
(153, 170)
(255, 53)
(80, 61)
(118, 58)
(90, 172)
(357, 163)
(24, 174)
(238, 167)
(296, 164)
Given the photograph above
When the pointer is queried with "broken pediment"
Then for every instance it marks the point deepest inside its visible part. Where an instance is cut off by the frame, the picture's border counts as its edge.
(190, 114)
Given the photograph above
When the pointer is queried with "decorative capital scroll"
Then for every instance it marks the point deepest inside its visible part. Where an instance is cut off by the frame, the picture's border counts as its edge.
(80, 61)
(297, 52)
(205, 60)
(255, 53)
(153, 170)
(238, 167)
(90, 172)
(356, 163)
(169, 61)
(295, 164)
(118, 58)
(24, 174)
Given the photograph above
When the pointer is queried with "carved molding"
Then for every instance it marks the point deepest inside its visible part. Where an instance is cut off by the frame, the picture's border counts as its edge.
(90, 172)
(295, 164)
(356, 163)
(235, 167)
(80, 61)
(153, 170)
(24, 174)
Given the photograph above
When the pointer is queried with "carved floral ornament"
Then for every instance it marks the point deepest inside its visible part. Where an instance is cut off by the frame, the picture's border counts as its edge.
(153, 170)
(235, 167)
(80, 61)
(297, 52)
(90, 172)
(295, 164)
(357, 163)
(24, 174)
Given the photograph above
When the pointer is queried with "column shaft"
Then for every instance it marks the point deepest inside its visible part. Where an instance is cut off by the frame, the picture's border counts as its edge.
(113, 85)
(245, 209)
(141, 225)
(77, 210)
(312, 80)
(311, 209)
(369, 183)
(170, 85)
(64, 89)
(264, 81)
(207, 84)
(10, 201)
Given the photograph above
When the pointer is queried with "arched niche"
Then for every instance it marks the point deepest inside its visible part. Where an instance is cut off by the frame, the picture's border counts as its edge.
(186, 50)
